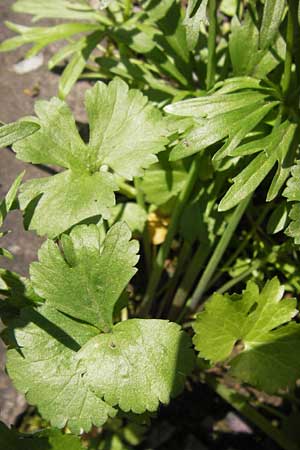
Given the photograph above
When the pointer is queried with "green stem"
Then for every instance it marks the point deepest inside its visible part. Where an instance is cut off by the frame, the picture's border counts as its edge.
(212, 32)
(286, 78)
(182, 259)
(188, 281)
(126, 189)
(241, 404)
(239, 278)
(242, 246)
(165, 247)
(218, 253)
(146, 238)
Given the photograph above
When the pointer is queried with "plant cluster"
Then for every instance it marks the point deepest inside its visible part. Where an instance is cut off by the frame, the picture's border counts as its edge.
(193, 148)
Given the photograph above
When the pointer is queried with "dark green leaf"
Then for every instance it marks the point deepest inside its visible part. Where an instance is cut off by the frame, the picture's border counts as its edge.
(10, 439)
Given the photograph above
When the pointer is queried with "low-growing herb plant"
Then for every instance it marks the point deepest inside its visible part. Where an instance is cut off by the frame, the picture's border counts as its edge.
(193, 148)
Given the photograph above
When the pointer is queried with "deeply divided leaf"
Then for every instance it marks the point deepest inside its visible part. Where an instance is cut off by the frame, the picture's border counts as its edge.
(125, 134)
(259, 321)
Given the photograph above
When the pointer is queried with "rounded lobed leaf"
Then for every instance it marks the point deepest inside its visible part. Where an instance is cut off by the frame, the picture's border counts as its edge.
(139, 364)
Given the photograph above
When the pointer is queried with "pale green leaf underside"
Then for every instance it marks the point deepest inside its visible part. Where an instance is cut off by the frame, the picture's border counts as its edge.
(75, 376)
(253, 318)
(88, 278)
(125, 134)
(141, 363)
(47, 370)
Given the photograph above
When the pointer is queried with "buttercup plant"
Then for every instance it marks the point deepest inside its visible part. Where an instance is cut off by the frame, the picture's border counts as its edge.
(193, 148)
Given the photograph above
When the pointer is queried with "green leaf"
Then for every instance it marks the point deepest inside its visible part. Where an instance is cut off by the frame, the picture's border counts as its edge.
(293, 230)
(210, 105)
(241, 130)
(163, 181)
(12, 132)
(42, 36)
(137, 365)
(74, 374)
(292, 192)
(278, 219)
(195, 15)
(7, 203)
(275, 359)
(234, 84)
(66, 199)
(120, 117)
(86, 281)
(224, 113)
(214, 129)
(46, 369)
(141, 363)
(64, 52)
(10, 439)
(125, 134)
(78, 62)
(250, 59)
(157, 11)
(248, 179)
(133, 214)
(269, 358)
(200, 220)
(57, 142)
(272, 16)
(148, 40)
(229, 7)
(56, 9)
(16, 293)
